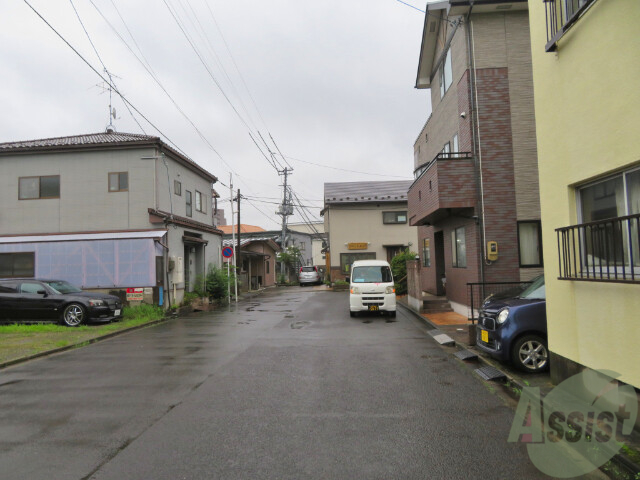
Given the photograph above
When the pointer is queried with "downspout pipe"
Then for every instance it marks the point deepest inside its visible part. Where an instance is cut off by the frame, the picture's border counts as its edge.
(474, 112)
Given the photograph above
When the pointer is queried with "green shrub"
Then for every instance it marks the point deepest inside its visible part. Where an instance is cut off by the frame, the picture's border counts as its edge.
(218, 282)
(189, 297)
(340, 283)
(399, 270)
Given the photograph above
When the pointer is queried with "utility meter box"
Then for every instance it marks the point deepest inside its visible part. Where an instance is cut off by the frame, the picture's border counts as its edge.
(492, 251)
(178, 269)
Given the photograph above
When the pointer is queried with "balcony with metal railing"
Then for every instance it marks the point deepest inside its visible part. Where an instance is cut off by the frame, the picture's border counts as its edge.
(561, 15)
(444, 185)
(601, 251)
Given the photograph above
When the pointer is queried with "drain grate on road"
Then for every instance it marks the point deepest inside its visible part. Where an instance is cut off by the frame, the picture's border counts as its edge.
(491, 374)
(466, 355)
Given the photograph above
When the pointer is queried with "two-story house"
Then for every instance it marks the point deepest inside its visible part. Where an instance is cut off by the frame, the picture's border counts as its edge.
(586, 65)
(107, 211)
(475, 195)
(365, 221)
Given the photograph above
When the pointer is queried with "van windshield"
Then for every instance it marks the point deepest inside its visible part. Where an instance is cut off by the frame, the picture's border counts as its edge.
(372, 274)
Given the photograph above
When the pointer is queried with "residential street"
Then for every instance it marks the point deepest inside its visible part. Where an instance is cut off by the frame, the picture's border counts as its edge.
(289, 386)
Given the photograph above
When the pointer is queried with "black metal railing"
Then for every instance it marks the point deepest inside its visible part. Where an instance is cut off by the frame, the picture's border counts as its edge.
(417, 173)
(477, 293)
(560, 16)
(603, 251)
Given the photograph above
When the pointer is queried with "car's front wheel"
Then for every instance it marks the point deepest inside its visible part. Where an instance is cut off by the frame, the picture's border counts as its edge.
(530, 353)
(73, 315)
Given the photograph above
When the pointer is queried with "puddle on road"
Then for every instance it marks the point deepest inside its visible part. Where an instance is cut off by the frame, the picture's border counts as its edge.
(300, 324)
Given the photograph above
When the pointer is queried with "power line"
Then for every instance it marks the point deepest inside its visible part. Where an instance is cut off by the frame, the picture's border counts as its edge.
(347, 170)
(122, 97)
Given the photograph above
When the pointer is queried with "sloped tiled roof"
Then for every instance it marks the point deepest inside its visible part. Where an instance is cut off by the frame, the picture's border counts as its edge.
(366, 192)
(99, 140)
(244, 228)
(89, 139)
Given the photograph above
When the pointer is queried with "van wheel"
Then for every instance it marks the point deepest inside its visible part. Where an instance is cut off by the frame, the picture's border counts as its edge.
(352, 314)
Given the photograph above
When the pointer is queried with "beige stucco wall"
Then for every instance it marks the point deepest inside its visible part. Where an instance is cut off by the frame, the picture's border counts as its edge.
(363, 223)
(587, 111)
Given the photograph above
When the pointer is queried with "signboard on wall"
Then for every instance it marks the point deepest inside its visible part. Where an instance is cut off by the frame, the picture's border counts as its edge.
(135, 294)
(358, 246)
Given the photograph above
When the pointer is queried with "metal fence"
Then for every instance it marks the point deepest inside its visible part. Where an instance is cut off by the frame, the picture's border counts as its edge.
(560, 16)
(603, 251)
(478, 292)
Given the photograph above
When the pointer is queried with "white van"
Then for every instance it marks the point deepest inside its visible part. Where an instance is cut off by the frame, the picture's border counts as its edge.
(372, 288)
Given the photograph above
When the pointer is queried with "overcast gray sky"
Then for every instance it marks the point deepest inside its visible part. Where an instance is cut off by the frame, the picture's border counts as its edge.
(331, 81)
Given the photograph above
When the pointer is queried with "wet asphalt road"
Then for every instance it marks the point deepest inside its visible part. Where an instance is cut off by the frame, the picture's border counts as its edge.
(287, 387)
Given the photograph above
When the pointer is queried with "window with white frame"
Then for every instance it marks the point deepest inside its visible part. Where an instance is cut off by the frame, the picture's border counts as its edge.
(458, 248)
(199, 202)
(446, 74)
(614, 197)
(454, 144)
(530, 243)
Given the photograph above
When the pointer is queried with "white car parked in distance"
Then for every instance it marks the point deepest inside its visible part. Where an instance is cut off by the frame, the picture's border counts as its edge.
(372, 288)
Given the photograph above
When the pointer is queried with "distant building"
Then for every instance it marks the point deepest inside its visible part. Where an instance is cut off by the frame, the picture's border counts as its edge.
(318, 239)
(107, 211)
(257, 263)
(217, 213)
(365, 220)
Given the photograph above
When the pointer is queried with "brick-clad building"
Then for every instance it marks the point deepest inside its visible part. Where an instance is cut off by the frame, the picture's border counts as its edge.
(476, 177)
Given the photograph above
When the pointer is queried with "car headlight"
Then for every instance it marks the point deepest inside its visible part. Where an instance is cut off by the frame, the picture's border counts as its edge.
(355, 290)
(502, 316)
(96, 303)
(390, 289)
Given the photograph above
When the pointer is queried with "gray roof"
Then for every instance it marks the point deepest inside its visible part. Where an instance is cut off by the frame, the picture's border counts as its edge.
(366, 192)
(75, 140)
(229, 242)
(100, 140)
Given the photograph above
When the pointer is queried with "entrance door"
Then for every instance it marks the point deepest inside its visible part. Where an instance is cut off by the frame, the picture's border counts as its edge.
(189, 267)
(438, 240)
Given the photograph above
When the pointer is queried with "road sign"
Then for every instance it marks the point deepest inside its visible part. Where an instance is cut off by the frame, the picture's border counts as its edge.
(227, 252)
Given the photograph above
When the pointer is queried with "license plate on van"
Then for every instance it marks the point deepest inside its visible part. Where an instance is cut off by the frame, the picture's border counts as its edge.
(373, 308)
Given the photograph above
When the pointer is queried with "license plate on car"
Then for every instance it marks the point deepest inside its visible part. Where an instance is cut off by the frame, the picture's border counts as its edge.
(373, 308)
(116, 313)
(484, 336)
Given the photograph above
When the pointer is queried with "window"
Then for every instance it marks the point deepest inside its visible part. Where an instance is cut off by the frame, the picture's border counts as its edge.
(31, 287)
(394, 217)
(530, 243)
(426, 253)
(346, 259)
(446, 74)
(447, 148)
(458, 248)
(39, 187)
(177, 188)
(267, 265)
(118, 182)
(454, 144)
(17, 264)
(199, 203)
(188, 199)
(617, 196)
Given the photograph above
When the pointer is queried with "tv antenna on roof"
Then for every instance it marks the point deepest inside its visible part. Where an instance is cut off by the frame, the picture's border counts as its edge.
(112, 111)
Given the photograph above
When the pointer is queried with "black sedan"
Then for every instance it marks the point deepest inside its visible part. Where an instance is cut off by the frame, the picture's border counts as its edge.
(29, 299)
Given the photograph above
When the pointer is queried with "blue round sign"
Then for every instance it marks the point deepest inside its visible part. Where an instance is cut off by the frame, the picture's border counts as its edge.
(227, 252)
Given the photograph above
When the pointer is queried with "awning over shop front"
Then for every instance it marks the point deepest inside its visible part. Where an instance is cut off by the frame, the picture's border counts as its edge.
(70, 237)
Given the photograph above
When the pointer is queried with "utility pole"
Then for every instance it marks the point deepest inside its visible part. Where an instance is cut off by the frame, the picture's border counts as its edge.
(238, 244)
(285, 210)
(233, 237)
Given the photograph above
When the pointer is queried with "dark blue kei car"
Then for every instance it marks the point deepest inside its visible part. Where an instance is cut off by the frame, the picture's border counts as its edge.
(515, 328)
